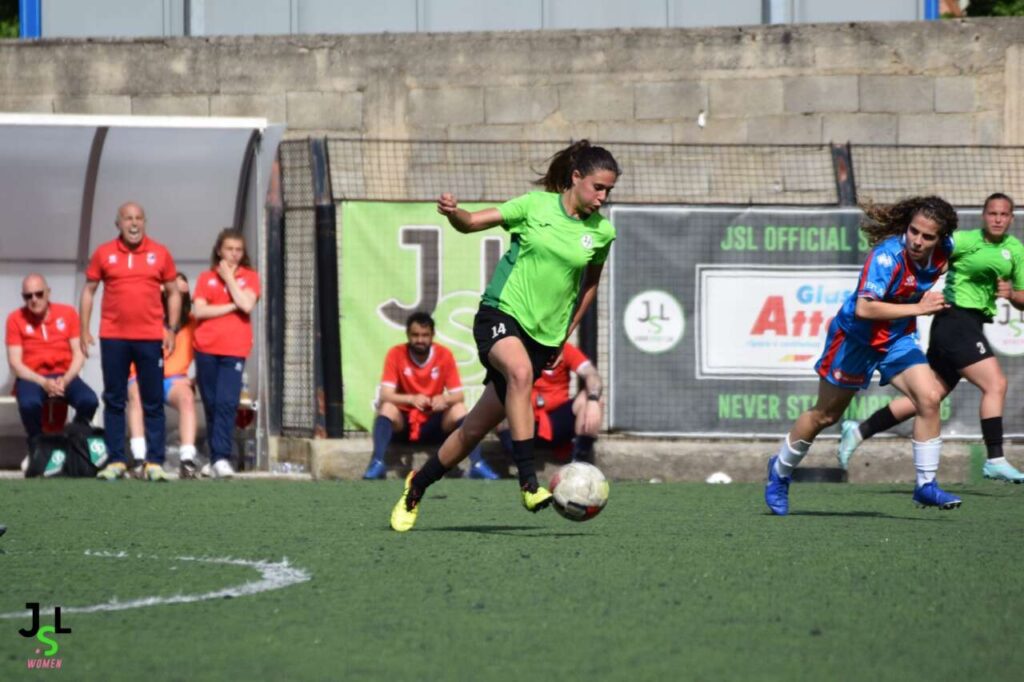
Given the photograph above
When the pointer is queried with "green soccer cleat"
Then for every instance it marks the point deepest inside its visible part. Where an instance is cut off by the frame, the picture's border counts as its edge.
(112, 471)
(403, 516)
(538, 500)
(1003, 471)
(155, 473)
(848, 442)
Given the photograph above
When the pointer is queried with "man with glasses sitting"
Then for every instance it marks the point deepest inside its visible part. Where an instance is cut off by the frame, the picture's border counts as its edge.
(44, 351)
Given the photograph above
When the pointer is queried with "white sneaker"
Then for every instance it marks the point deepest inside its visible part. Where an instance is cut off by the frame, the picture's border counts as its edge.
(24, 464)
(222, 469)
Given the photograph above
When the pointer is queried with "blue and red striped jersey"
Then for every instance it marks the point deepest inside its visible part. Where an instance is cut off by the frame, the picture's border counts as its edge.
(890, 275)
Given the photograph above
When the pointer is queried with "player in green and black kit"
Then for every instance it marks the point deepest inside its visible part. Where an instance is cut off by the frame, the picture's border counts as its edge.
(537, 296)
(986, 264)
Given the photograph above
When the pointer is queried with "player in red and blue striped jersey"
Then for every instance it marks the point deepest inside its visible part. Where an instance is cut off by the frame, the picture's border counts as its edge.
(875, 330)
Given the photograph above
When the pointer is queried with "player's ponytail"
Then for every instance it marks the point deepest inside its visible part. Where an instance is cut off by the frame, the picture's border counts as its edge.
(886, 220)
(580, 156)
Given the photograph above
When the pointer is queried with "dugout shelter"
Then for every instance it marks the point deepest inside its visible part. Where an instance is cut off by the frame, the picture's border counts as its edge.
(62, 178)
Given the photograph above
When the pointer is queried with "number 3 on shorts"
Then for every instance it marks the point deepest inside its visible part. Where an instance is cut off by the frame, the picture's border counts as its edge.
(981, 348)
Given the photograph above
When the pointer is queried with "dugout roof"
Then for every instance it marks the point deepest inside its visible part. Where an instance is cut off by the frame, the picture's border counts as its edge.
(62, 179)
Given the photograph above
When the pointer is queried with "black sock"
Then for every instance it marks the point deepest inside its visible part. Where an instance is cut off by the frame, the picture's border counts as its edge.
(522, 455)
(432, 472)
(506, 441)
(992, 434)
(882, 420)
(583, 449)
(383, 429)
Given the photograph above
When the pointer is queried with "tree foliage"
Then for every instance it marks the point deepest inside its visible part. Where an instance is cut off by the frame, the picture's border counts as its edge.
(995, 8)
(8, 18)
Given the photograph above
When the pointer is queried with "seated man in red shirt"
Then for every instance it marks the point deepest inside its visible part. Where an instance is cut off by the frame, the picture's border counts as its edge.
(421, 397)
(45, 354)
(562, 420)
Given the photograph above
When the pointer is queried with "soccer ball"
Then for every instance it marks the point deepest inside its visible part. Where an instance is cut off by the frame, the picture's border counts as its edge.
(579, 491)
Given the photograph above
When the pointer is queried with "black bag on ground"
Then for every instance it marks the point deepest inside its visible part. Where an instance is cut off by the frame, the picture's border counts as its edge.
(79, 452)
(87, 450)
(48, 456)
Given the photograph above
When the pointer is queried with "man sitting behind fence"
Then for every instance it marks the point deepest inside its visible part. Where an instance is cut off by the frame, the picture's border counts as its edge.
(45, 354)
(563, 421)
(421, 397)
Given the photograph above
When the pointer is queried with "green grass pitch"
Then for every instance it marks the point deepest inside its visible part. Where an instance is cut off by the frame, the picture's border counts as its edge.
(670, 582)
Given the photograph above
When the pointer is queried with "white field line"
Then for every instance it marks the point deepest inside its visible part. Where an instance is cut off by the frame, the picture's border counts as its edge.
(273, 576)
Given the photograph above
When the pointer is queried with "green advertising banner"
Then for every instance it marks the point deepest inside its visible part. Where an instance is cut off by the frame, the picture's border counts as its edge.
(396, 259)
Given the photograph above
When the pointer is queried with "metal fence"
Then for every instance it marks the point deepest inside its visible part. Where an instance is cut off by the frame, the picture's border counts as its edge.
(666, 174)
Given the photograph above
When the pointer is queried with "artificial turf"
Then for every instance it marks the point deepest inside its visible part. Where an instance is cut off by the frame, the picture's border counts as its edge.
(670, 582)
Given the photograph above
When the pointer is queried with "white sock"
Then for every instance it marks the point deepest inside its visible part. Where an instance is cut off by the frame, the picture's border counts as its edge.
(790, 455)
(138, 446)
(998, 460)
(926, 459)
(187, 452)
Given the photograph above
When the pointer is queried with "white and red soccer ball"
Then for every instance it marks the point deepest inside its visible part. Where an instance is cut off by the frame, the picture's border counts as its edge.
(580, 491)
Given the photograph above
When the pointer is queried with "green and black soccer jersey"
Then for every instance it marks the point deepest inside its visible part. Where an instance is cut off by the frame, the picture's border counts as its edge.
(538, 280)
(976, 267)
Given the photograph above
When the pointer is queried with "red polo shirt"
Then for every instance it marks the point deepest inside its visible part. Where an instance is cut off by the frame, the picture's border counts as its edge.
(45, 344)
(229, 334)
(132, 279)
(437, 373)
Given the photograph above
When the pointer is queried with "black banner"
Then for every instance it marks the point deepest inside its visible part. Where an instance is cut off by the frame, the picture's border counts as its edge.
(719, 315)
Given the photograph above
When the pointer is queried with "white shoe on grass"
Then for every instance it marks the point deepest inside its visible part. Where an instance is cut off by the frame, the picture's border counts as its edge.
(222, 469)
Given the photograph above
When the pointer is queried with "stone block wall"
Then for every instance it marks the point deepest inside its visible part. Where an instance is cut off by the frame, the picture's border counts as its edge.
(946, 82)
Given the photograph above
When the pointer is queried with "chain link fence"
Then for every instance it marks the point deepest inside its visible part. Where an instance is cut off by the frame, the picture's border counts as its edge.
(653, 174)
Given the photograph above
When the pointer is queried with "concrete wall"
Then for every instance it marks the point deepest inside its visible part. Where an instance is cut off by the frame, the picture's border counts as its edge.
(948, 82)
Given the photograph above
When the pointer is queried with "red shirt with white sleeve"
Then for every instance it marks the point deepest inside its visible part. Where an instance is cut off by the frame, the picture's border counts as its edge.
(553, 384)
(229, 334)
(46, 343)
(132, 279)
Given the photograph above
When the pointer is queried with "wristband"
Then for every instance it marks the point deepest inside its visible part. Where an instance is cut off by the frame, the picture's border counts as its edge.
(593, 396)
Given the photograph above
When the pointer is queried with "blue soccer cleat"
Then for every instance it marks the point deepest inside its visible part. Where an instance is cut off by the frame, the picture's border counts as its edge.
(931, 495)
(376, 471)
(481, 470)
(848, 442)
(1004, 471)
(776, 490)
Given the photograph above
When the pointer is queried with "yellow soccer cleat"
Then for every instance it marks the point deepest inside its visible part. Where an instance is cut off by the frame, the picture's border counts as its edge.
(112, 471)
(403, 517)
(536, 501)
(155, 472)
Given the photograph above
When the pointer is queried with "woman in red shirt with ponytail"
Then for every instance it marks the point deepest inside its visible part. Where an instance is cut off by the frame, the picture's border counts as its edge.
(224, 298)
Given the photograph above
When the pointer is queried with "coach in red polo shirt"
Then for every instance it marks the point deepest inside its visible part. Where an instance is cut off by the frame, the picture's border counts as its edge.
(133, 269)
(45, 354)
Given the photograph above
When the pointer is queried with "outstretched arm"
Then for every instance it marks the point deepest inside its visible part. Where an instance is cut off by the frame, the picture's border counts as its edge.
(464, 221)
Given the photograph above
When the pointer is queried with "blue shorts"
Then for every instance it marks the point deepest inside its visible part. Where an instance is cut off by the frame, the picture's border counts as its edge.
(849, 364)
(168, 384)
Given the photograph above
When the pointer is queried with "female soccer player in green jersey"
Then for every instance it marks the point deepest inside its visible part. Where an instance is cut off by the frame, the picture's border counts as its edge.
(987, 264)
(542, 287)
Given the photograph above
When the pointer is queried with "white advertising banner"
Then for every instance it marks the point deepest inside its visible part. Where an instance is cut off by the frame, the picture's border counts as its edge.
(764, 320)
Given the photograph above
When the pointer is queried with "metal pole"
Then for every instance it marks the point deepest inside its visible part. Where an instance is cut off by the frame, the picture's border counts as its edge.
(327, 289)
(30, 18)
(275, 297)
(842, 166)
